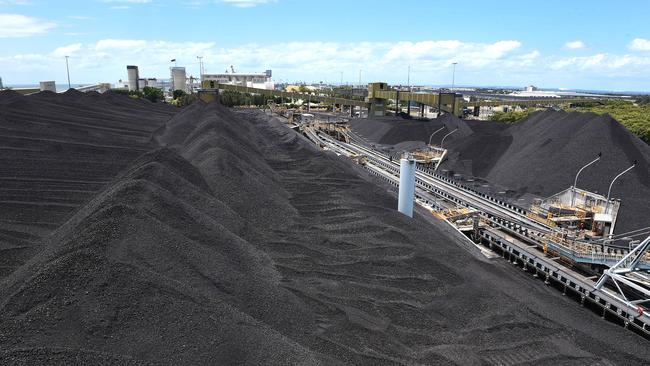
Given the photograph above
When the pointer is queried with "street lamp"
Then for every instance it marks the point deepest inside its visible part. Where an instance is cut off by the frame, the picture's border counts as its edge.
(200, 66)
(67, 68)
(575, 181)
(443, 139)
(614, 180)
(453, 76)
(435, 132)
(408, 83)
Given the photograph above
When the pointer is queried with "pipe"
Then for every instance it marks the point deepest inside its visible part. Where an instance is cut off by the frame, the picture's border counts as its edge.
(614, 180)
(443, 139)
(575, 182)
(406, 186)
(435, 132)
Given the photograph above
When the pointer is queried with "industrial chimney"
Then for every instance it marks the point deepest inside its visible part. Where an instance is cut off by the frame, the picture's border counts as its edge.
(134, 76)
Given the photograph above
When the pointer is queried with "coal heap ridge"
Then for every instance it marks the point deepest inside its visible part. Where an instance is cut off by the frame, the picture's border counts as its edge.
(235, 241)
(58, 151)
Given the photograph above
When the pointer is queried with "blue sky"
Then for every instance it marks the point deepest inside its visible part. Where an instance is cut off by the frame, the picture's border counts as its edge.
(602, 45)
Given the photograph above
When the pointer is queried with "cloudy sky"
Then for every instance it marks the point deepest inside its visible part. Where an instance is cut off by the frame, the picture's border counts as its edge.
(584, 44)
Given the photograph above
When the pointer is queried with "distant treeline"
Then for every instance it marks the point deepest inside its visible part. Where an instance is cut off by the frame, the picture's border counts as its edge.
(634, 116)
(156, 95)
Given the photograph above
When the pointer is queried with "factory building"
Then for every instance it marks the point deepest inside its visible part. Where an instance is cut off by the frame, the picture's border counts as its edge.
(251, 80)
(179, 78)
(48, 85)
(134, 77)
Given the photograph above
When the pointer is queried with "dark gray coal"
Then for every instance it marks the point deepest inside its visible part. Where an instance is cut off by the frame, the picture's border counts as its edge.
(541, 156)
(233, 240)
(58, 151)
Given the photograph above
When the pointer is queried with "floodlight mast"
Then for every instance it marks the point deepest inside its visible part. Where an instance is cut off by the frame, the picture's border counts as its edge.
(435, 132)
(443, 139)
(575, 181)
(614, 180)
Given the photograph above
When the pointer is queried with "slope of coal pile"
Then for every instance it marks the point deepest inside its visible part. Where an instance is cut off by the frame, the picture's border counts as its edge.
(393, 130)
(58, 151)
(476, 154)
(173, 264)
(549, 148)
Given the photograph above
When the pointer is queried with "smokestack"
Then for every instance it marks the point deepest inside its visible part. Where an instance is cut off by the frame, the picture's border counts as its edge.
(406, 186)
(134, 76)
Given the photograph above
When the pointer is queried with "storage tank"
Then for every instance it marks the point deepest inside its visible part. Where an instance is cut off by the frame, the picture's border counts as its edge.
(48, 85)
(179, 79)
(134, 76)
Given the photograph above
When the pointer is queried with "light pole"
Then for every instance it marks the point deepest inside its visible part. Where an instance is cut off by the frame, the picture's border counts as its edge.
(67, 68)
(575, 181)
(453, 76)
(408, 83)
(435, 132)
(200, 66)
(443, 139)
(612, 183)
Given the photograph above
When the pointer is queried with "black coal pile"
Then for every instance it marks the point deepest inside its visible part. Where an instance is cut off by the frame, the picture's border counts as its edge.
(549, 148)
(394, 130)
(236, 241)
(58, 151)
(541, 155)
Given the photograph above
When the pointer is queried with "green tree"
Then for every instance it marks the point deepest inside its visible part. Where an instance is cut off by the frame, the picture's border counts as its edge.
(178, 93)
(152, 94)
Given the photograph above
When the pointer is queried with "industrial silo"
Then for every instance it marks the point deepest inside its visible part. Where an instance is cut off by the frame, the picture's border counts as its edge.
(179, 79)
(134, 76)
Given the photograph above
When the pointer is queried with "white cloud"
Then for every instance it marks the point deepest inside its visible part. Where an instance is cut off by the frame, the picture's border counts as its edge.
(128, 1)
(505, 62)
(609, 64)
(574, 45)
(246, 3)
(14, 2)
(640, 44)
(16, 25)
(67, 50)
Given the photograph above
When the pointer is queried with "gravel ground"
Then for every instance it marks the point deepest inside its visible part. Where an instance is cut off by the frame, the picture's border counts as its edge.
(236, 241)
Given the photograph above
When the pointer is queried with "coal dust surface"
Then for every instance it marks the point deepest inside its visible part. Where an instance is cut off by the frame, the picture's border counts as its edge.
(233, 240)
(538, 156)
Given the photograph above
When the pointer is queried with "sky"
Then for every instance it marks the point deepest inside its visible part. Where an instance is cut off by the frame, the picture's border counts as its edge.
(579, 44)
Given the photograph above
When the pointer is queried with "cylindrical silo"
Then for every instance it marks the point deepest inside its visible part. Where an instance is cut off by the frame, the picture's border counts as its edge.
(406, 186)
(179, 79)
(134, 76)
(48, 85)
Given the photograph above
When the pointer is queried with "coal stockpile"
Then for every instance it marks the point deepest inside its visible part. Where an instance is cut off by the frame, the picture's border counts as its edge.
(236, 241)
(541, 155)
(549, 148)
(393, 130)
(58, 151)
